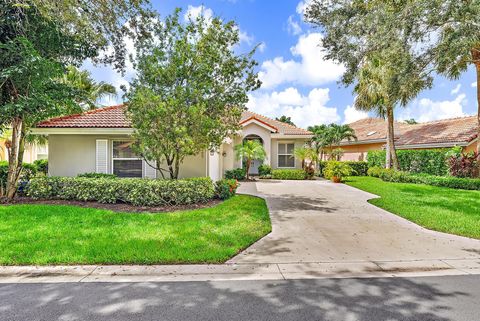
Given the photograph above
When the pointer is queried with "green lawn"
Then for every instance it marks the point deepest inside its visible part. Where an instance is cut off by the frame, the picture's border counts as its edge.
(53, 234)
(441, 209)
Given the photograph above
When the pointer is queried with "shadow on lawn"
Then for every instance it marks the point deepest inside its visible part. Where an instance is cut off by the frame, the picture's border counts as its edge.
(329, 299)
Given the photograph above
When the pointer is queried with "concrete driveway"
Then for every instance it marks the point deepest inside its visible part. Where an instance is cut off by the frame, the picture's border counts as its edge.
(319, 221)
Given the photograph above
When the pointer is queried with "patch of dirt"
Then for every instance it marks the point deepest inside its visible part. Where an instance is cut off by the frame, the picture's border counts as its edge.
(118, 207)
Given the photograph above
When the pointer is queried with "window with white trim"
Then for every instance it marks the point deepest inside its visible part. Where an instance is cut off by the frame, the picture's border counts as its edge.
(125, 162)
(285, 155)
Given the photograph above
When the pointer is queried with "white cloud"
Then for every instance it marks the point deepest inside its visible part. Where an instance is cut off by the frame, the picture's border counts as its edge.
(262, 46)
(456, 90)
(193, 12)
(305, 110)
(426, 109)
(474, 84)
(352, 115)
(245, 37)
(293, 26)
(302, 6)
(311, 70)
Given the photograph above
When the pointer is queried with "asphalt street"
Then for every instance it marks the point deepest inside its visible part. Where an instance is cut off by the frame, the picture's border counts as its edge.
(452, 298)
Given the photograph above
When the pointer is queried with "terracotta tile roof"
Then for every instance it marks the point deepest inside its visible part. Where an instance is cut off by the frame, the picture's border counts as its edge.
(106, 117)
(114, 117)
(453, 130)
(281, 127)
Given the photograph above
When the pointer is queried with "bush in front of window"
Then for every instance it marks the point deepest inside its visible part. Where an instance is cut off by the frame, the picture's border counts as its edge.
(42, 166)
(294, 174)
(264, 170)
(97, 175)
(135, 191)
(237, 173)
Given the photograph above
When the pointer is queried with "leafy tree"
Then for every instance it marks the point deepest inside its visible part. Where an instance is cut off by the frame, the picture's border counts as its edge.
(327, 136)
(38, 39)
(309, 157)
(378, 35)
(89, 91)
(249, 151)
(285, 119)
(190, 90)
(411, 121)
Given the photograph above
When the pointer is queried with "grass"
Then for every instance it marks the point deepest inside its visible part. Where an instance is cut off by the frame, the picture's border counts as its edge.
(57, 234)
(441, 209)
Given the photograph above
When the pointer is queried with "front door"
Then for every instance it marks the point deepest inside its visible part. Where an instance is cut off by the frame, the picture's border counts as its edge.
(254, 167)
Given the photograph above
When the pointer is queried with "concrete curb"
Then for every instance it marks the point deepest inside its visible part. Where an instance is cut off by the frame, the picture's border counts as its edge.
(222, 272)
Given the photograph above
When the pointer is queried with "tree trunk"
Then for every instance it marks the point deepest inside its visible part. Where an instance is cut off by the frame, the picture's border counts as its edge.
(388, 155)
(391, 138)
(476, 57)
(15, 157)
(247, 168)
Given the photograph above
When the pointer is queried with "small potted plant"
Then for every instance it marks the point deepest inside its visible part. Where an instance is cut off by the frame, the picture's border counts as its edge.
(335, 171)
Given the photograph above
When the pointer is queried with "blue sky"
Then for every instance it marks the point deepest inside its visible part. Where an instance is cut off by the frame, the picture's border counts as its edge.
(297, 81)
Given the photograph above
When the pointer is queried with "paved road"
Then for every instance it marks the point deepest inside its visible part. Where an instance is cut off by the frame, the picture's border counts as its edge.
(448, 298)
(318, 221)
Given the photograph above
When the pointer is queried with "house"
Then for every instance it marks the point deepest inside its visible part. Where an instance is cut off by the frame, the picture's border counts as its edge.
(31, 154)
(100, 141)
(445, 133)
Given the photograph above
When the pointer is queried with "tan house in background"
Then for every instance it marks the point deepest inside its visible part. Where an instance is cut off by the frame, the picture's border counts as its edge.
(32, 152)
(100, 141)
(445, 133)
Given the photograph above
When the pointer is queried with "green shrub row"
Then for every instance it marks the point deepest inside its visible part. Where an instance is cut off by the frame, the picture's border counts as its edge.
(294, 174)
(429, 161)
(390, 175)
(359, 168)
(237, 173)
(264, 170)
(135, 191)
(97, 175)
(28, 172)
(226, 188)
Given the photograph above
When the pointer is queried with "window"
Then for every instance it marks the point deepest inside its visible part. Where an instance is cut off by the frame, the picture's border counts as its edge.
(42, 151)
(125, 162)
(285, 155)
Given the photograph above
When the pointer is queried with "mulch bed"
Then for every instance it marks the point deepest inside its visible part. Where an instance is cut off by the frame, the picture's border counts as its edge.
(118, 207)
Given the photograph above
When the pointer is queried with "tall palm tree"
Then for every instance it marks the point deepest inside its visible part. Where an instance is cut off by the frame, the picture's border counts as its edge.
(249, 151)
(384, 82)
(89, 91)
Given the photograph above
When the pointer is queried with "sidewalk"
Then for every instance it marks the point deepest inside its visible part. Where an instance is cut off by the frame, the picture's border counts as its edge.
(221, 272)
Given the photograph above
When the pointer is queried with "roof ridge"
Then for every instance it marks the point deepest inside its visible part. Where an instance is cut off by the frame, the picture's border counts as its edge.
(288, 125)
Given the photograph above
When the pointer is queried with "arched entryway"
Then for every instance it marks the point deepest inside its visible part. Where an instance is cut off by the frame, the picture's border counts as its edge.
(255, 163)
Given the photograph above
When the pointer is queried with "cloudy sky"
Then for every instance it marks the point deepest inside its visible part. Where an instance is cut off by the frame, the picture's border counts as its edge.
(297, 81)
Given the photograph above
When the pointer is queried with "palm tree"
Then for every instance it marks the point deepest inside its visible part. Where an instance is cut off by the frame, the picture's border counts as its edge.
(307, 154)
(89, 91)
(249, 151)
(327, 136)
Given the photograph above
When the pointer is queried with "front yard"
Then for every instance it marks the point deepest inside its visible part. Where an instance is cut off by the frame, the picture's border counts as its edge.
(54, 234)
(441, 209)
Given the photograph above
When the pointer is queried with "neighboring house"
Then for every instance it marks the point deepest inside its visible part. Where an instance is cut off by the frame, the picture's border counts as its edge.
(99, 141)
(445, 133)
(31, 154)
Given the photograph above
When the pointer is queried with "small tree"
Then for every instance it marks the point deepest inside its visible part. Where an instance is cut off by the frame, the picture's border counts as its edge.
(309, 157)
(190, 90)
(285, 119)
(248, 151)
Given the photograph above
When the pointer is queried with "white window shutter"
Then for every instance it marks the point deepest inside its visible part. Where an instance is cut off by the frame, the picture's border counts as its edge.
(149, 171)
(101, 156)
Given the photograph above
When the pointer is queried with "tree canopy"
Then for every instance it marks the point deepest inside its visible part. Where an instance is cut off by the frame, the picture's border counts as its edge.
(190, 90)
(285, 119)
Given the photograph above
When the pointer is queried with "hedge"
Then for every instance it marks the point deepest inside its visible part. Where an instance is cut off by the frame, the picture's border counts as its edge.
(237, 173)
(390, 175)
(226, 188)
(359, 168)
(135, 191)
(294, 174)
(429, 161)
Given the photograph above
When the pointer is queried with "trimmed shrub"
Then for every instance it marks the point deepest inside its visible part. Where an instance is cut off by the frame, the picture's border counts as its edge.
(3, 176)
(226, 188)
(464, 165)
(135, 191)
(97, 175)
(42, 166)
(359, 168)
(429, 161)
(335, 169)
(294, 174)
(264, 170)
(237, 173)
(390, 175)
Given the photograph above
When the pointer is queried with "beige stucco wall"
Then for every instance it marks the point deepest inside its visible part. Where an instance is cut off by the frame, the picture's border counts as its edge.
(70, 155)
(472, 147)
(359, 152)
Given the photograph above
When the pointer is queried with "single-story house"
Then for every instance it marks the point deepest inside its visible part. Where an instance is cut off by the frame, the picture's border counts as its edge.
(32, 152)
(446, 133)
(100, 141)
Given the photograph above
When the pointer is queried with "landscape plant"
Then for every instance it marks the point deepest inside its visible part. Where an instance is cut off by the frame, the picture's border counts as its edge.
(309, 158)
(190, 89)
(226, 188)
(237, 173)
(289, 174)
(464, 165)
(248, 151)
(336, 171)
